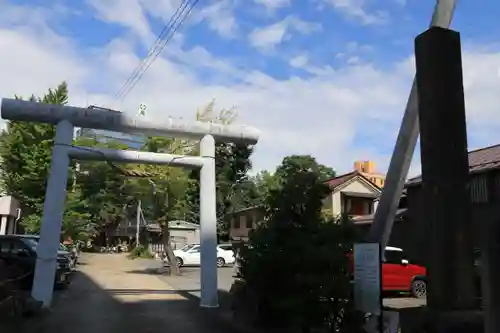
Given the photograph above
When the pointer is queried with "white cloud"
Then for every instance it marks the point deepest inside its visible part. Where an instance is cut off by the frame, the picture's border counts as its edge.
(299, 61)
(273, 4)
(337, 115)
(357, 10)
(219, 17)
(266, 38)
(128, 13)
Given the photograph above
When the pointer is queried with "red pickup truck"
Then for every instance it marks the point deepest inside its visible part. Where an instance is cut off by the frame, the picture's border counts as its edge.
(398, 274)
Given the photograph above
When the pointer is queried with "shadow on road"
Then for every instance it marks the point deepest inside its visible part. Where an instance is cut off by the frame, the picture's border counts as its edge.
(87, 308)
(148, 271)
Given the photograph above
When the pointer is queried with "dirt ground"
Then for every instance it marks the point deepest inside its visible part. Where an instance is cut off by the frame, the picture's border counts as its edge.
(111, 294)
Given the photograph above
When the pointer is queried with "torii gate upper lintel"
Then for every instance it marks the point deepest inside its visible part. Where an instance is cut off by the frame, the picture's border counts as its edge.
(66, 118)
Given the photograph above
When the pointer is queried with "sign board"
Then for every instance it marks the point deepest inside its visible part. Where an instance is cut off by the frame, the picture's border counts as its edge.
(367, 278)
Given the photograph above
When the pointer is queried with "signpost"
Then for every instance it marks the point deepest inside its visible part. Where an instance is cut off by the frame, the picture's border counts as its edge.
(368, 280)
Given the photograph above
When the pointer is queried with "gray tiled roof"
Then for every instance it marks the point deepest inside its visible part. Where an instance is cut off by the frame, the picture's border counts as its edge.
(480, 160)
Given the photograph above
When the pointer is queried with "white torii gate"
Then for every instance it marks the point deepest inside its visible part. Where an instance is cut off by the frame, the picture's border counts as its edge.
(66, 118)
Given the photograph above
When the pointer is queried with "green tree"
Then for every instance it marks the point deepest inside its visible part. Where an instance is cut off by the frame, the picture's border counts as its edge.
(77, 223)
(25, 151)
(163, 195)
(296, 265)
(103, 188)
(304, 162)
(265, 182)
(235, 190)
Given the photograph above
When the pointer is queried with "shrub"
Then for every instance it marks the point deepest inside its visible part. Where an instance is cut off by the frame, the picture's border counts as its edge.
(296, 265)
(140, 252)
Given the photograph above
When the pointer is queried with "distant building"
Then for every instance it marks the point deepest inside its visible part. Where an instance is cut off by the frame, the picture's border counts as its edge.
(10, 212)
(351, 194)
(484, 189)
(134, 141)
(367, 169)
(130, 140)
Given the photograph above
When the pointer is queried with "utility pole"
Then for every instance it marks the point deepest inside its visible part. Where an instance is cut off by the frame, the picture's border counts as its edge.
(138, 223)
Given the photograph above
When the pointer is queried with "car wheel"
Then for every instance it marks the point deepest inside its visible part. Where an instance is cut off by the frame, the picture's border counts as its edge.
(221, 262)
(179, 262)
(419, 288)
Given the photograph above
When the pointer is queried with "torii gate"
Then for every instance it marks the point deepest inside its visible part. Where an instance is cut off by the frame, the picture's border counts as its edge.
(66, 118)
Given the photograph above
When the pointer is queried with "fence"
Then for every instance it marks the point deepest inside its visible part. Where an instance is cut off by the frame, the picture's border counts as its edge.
(158, 248)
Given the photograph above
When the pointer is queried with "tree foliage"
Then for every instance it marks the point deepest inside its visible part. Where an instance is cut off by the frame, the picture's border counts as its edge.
(296, 265)
(235, 190)
(103, 188)
(92, 202)
(25, 151)
(265, 183)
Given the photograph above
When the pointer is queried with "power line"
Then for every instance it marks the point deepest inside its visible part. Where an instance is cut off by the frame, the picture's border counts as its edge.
(165, 36)
(151, 50)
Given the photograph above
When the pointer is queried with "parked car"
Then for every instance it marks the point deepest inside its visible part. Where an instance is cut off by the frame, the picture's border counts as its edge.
(187, 247)
(63, 250)
(227, 247)
(398, 274)
(192, 256)
(20, 251)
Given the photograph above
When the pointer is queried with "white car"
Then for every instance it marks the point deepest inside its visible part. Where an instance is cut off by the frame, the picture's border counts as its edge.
(191, 256)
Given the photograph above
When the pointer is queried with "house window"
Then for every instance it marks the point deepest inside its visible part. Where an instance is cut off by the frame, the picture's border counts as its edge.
(243, 220)
(236, 223)
(249, 221)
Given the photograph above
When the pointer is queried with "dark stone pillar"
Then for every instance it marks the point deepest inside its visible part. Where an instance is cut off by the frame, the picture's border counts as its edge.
(445, 169)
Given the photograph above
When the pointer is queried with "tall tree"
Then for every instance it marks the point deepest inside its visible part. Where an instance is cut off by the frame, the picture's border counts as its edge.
(25, 151)
(296, 243)
(97, 185)
(266, 182)
(307, 163)
(234, 188)
(163, 194)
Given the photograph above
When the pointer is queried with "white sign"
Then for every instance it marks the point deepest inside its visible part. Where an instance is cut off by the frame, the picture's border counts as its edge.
(367, 284)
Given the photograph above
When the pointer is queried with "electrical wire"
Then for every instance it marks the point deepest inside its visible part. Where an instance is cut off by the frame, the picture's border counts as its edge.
(165, 36)
(150, 51)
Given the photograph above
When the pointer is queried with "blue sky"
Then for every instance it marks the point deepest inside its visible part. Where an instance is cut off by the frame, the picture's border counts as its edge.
(328, 78)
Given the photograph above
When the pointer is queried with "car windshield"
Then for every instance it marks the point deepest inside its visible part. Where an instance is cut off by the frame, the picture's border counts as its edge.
(32, 242)
(186, 247)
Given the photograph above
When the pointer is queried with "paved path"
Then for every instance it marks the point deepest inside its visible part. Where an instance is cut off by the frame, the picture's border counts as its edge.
(111, 294)
(189, 282)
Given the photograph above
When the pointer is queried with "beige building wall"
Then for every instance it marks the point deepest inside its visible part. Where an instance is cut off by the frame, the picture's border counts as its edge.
(354, 187)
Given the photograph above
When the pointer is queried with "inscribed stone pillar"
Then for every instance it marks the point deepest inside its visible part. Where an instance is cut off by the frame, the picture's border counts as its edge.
(445, 169)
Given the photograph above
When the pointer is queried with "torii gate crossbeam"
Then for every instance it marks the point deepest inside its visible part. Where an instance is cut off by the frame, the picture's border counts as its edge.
(66, 118)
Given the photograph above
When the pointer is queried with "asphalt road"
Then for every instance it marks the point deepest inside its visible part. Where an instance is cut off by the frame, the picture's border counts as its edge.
(190, 282)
